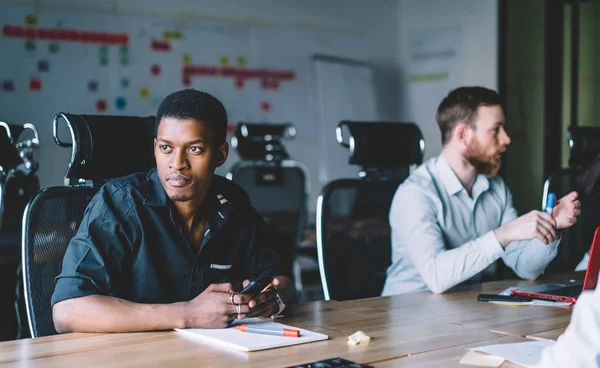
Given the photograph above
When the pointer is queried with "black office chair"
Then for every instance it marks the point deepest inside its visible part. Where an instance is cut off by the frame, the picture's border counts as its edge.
(353, 231)
(584, 143)
(103, 147)
(277, 185)
(18, 174)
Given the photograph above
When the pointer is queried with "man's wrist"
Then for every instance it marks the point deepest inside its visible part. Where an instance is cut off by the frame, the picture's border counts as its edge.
(180, 315)
(501, 237)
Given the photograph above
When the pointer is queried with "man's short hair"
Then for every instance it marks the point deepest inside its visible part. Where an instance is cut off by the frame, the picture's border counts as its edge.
(461, 106)
(201, 106)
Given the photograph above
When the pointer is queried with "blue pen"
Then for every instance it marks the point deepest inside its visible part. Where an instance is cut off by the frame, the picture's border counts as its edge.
(550, 202)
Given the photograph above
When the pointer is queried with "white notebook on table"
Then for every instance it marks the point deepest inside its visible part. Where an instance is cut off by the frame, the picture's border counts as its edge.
(248, 341)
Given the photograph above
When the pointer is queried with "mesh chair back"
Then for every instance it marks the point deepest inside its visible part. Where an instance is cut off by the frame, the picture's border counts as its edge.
(278, 192)
(53, 216)
(18, 182)
(585, 145)
(9, 155)
(52, 219)
(354, 233)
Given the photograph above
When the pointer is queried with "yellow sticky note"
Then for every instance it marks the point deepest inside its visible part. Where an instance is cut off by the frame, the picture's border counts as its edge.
(144, 93)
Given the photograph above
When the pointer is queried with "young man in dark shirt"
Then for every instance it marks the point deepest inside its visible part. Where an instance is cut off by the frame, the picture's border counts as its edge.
(170, 248)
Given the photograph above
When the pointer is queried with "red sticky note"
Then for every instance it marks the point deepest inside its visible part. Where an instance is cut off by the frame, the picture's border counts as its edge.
(265, 106)
(35, 84)
(8, 30)
(123, 40)
(101, 105)
(53, 34)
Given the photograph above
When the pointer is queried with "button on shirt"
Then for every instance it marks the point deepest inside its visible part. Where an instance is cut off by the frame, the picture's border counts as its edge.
(131, 245)
(442, 237)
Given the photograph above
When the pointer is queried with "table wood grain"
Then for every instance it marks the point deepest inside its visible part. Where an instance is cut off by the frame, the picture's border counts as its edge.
(420, 329)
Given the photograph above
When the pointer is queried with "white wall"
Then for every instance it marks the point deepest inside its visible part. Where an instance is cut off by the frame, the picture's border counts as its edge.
(475, 23)
(376, 22)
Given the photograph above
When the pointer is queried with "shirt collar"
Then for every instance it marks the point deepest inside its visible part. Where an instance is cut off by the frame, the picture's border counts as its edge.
(447, 176)
(482, 183)
(453, 184)
(155, 193)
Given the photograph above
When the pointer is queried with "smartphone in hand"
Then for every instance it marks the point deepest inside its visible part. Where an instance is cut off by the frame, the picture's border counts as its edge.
(257, 285)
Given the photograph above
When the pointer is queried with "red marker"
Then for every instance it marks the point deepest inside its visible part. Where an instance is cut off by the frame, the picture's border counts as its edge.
(287, 332)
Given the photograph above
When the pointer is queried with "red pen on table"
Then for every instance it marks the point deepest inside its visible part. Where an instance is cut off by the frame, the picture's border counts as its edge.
(287, 332)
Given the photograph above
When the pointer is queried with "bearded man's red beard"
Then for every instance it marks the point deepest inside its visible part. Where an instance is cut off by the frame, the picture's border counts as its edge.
(484, 163)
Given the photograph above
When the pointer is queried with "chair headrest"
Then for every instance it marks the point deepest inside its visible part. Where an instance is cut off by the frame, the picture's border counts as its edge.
(262, 141)
(9, 155)
(585, 145)
(106, 147)
(383, 145)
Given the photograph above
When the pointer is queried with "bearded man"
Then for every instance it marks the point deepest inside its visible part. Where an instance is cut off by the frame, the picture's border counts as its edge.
(454, 216)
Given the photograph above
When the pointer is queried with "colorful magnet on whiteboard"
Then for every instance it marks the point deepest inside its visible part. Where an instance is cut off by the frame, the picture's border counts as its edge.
(125, 83)
(29, 45)
(101, 105)
(155, 70)
(31, 19)
(187, 58)
(8, 85)
(223, 61)
(43, 66)
(35, 84)
(121, 103)
(265, 106)
(172, 35)
(93, 85)
(160, 45)
(124, 55)
(103, 55)
(241, 61)
(144, 93)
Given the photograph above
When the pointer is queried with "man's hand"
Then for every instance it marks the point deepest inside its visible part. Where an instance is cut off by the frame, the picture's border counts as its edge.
(566, 210)
(535, 224)
(265, 303)
(213, 308)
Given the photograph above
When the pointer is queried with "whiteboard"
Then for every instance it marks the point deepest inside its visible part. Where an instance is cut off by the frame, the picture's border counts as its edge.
(121, 64)
(344, 90)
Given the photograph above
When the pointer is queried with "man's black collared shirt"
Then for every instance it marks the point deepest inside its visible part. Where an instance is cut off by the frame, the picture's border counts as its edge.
(130, 244)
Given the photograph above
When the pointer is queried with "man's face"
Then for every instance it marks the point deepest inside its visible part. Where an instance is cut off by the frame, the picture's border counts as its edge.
(186, 157)
(488, 140)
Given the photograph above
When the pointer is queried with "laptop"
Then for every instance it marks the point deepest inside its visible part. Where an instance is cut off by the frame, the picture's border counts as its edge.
(568, 291)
